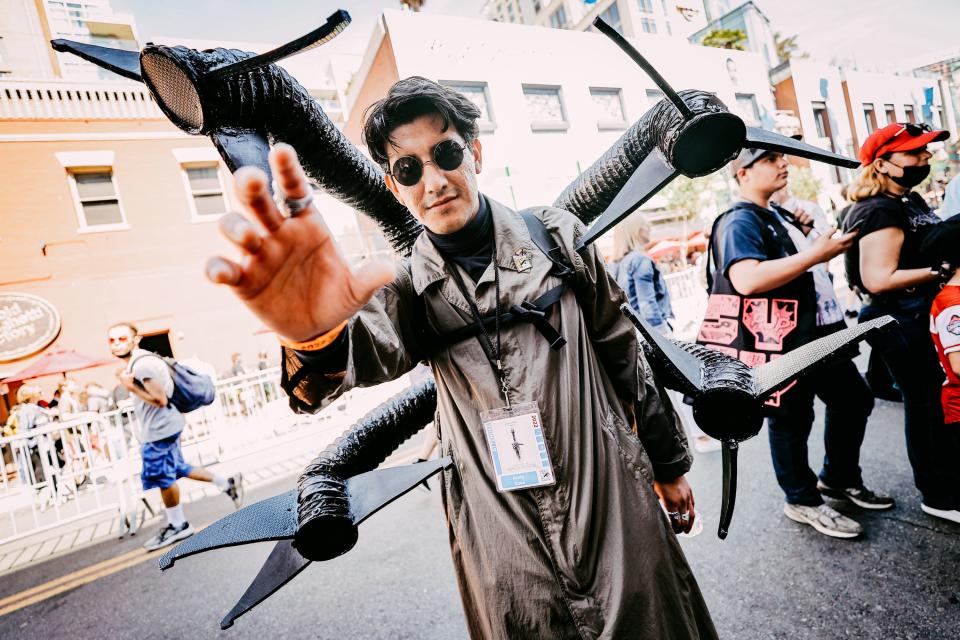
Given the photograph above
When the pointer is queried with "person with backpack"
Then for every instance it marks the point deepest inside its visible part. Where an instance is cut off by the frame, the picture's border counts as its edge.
(769, 294)
(158, 404)
(563, 442)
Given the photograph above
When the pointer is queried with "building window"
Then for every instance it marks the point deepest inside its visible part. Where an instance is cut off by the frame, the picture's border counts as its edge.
(890, 112)
(612, 17)
(545, 108)
(558, 19)
(609, 108)
(648, 25)
(206, 191)
(645, 6)
(479, 94)
(870, 117)
(822, 119)
(908, 112)
(95, 194)
(747, 108)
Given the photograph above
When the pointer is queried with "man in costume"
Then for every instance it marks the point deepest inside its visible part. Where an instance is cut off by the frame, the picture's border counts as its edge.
(771, 293)
(579, 548)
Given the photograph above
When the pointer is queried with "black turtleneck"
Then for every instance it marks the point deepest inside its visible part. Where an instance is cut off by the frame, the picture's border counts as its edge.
(470, 247)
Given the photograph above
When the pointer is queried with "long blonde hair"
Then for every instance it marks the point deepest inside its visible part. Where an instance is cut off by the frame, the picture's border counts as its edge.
(631, 234)
(869, 183)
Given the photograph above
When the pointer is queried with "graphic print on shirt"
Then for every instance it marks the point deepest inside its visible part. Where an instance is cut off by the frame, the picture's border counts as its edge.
(953, 325)
(720, 324)
(769, 326)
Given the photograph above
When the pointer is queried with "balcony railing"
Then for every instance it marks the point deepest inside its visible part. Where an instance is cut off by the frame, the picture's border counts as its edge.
(63, 100)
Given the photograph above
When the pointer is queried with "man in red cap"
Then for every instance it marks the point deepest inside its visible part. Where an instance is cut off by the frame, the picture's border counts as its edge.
(895, 275)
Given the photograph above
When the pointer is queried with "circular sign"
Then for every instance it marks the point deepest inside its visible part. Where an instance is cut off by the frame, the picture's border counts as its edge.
(28, 324)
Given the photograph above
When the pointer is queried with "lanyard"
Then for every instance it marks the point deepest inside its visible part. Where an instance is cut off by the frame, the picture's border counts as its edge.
(494, 355)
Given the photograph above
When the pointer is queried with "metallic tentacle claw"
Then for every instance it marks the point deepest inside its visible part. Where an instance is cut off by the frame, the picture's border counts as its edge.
(120, 61)
(668, 91)
(283, 565)
(761, 139)
(728, 395)
(271, 519)
(372, 491)
(683, 368)
(243, 148)
(368, 493)
(337, 22)
(651, 176)
(777, 374)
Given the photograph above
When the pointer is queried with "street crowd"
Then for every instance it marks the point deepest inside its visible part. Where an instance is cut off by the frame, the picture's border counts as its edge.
(770, 291)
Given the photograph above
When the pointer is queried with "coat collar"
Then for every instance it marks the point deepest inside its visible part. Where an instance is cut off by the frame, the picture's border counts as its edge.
(510, 235)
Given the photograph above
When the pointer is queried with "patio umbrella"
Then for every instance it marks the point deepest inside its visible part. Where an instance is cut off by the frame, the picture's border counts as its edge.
(58, 361)
(697, 242)
(664, 247)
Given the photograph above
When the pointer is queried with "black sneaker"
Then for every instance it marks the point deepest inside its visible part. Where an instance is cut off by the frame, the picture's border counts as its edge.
(235, 490)
(168, 536)
(861, 496)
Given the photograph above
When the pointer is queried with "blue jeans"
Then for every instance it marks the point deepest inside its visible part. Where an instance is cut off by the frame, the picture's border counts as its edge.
(912, 359)
(849, 403)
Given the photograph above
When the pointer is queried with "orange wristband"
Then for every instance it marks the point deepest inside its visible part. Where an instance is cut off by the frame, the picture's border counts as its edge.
(320, 342)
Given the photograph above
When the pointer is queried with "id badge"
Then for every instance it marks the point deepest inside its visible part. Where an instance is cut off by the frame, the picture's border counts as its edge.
(515, 438)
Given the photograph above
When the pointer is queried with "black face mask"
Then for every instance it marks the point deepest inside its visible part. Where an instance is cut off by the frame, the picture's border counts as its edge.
(912, 176)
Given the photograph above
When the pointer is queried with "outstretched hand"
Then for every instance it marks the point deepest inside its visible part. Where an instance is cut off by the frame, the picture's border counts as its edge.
(291, 272)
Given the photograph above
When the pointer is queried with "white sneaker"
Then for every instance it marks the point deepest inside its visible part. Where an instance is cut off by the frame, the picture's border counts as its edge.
(952, 515)
(706, 444)
(824, 519)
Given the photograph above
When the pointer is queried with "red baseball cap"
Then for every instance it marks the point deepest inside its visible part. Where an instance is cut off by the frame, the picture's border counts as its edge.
(897, 136)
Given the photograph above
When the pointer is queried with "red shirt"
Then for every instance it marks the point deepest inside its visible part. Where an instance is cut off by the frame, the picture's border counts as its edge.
(945, 327)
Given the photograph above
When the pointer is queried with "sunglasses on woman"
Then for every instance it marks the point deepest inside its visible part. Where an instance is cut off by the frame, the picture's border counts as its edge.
(447, 155)
(913, 129)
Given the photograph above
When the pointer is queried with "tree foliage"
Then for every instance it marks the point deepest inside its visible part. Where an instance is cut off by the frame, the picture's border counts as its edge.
(787, 47)
(689, 196)
(803, 184)
(726, 39)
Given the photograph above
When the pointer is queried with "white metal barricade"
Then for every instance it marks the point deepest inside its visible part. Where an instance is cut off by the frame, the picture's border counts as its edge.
(66, 471)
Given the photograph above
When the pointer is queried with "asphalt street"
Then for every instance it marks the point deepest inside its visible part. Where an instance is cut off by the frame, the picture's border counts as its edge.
(771, 578)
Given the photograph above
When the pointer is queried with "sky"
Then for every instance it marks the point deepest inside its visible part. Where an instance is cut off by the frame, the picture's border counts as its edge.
(875, 34)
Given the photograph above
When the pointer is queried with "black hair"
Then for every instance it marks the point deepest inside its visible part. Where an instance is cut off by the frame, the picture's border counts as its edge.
(407, 100)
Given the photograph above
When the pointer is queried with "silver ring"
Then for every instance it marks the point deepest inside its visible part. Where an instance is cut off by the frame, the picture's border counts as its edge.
(673, 515)
(685, 517)
(293, 206)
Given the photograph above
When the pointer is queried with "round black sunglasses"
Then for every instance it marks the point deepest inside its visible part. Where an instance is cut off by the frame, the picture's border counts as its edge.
(447, 155)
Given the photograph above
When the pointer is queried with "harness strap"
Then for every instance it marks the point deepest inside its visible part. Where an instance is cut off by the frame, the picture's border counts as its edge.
(533, 312)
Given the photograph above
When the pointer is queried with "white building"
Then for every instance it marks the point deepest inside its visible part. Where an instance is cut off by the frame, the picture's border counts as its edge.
(838, 108)
(27, 25)
(632, 18)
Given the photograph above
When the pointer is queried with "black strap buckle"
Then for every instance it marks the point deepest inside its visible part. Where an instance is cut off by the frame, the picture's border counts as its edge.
(529, 312)
(560, 267)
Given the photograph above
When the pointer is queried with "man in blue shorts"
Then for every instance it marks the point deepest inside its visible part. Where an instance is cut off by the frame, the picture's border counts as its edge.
(151, 384)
